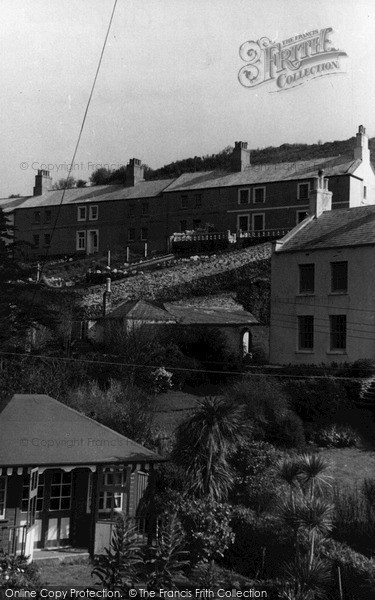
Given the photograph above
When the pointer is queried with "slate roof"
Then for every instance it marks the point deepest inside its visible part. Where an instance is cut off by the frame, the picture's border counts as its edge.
(9, 204)
(192, 315)
(140, 310)
(38, 430)
(99, 193)
(304, 169)
(334, 229)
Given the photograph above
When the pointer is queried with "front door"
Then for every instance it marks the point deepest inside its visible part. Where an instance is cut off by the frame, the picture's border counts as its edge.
(92, 241)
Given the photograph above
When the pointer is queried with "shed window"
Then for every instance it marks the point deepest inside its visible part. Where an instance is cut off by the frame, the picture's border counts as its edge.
(61, 490)
(81, 240)
(26, 491)
(112, 499)
(93, 213)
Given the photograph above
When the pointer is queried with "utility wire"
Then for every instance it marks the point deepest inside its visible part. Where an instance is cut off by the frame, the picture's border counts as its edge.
(76, 147)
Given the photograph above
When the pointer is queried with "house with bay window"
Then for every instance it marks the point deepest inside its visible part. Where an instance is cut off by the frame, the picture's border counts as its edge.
(323, 285)
(64, 477)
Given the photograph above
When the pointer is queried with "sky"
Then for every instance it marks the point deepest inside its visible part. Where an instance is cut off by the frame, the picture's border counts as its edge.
(168, 85)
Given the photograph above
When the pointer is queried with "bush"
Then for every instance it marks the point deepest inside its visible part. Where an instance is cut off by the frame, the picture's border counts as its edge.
(258, 545)
(287, 432)
(15, 572)
(362, 368)
(356, 572)
(207, 528)
(336, 436)
(354, 517)
(319, 401)
(255, 479)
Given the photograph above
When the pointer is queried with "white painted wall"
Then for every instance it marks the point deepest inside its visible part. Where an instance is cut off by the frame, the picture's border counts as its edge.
(358, 305)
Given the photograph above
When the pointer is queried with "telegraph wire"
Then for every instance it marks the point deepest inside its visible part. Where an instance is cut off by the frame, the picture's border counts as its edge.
(76, 146)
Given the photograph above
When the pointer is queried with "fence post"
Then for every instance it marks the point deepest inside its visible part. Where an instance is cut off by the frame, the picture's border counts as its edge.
(127, 254)
(145, 253)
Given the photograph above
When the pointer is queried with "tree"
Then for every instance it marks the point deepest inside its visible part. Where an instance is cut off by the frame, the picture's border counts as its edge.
(62, 184)
(81, 183)
(204, 444)
(101, 176)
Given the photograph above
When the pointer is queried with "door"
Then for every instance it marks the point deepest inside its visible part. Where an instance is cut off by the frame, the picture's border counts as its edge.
(92, 241)
(31, 512)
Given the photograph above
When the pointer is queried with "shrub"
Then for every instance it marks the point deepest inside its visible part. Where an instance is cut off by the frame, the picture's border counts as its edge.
(15, 572)
(207, 528)
(286, 432)
(355, 572)
(363, 367)
(318, 400)
(259, 543)
(336, 436)
(255, 479)
(354, 517)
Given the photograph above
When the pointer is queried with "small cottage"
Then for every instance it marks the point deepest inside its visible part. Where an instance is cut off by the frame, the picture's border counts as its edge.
(64, 477)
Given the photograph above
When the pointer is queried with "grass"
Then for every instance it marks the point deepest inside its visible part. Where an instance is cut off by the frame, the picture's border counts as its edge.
(350, 466)
(78, 574)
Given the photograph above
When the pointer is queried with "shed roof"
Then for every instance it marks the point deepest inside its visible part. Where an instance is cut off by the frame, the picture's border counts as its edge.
(333, 229)
(140, 310)
(37, 430)
(194, 315)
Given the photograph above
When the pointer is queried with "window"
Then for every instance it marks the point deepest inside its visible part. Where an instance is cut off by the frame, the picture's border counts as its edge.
(338, 332)
(81, 240)
(259, 195)
(47, 239)
(258, 222)
(47, 216)
(61, 489)
(243, 222)
(81, 213)
(36, 239)
(301, 215)
(303, 191)
(131, 234)
(144, 233)
(339, 276)
(108, 498)
(93, 213)
(244, 196)
(184, 201)
(306, 332)
(183, 226)
(26, 491)
(307, 279)
(3, 494)
(198, 200)
(36, 216)
(145, 208)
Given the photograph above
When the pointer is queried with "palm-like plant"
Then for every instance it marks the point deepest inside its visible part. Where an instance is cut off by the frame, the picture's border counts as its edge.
(167, 560)
(204, 443)
(118, 567)
(309, 513)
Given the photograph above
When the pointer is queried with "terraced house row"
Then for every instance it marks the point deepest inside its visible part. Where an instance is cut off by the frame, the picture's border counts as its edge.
(249, 198)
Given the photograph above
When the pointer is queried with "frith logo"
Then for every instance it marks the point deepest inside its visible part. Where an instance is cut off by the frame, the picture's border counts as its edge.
(289, 63)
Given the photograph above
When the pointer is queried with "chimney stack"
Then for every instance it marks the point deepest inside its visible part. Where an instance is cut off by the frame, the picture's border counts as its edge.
(361, 150)
(43, 182)
(107, 296)
(320, 197)
(134, 172)
(240, 157)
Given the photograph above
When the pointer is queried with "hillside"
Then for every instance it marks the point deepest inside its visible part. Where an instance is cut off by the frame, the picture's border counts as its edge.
(193, 277)
(272, 154)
